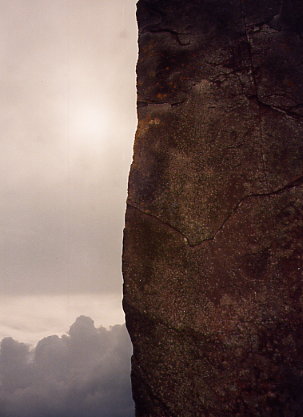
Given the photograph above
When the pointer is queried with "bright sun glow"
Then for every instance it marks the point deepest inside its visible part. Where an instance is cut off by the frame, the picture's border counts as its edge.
(89, 124)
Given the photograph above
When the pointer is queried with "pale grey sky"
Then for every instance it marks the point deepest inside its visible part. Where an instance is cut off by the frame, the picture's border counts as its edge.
(67, 114)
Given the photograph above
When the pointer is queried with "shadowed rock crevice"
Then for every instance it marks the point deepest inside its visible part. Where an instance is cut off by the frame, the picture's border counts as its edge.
(212, 254)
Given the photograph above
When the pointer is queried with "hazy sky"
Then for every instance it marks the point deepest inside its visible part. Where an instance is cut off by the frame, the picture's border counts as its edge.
(67, 126)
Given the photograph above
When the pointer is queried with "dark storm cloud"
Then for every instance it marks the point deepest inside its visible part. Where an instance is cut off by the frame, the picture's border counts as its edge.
(85, 373)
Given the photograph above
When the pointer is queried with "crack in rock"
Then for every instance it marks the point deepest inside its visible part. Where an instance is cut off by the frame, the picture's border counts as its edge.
(255, 86)
(149, 214)
(283, 110)
(176, 35)
(295, 183)
(145, 103)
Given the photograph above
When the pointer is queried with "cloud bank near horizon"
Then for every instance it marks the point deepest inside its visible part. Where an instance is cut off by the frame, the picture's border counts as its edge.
(84, 373)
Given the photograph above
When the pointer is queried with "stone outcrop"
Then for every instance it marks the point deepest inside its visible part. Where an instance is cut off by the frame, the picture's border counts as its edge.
(212, 257)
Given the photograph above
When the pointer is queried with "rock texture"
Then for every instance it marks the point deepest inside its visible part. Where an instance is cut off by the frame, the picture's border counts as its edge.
(213, 240)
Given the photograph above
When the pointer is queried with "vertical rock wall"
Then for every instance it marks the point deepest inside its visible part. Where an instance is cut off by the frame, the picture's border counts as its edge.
(212, 256)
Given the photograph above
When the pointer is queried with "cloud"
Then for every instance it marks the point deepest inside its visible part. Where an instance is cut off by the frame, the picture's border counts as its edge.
(84, 373)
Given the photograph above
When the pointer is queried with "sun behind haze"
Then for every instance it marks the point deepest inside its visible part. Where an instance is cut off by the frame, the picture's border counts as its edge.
(67, 127)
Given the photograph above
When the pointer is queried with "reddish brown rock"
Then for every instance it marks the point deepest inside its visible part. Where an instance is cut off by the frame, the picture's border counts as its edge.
(212, 257)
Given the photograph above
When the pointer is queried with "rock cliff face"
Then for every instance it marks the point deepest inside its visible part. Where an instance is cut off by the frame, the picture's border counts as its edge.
(213, 240)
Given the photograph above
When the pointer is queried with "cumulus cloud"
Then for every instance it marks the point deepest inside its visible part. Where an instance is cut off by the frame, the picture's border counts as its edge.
(84, 373)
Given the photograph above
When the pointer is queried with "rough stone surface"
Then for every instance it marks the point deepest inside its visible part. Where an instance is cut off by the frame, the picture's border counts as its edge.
(212, 257)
